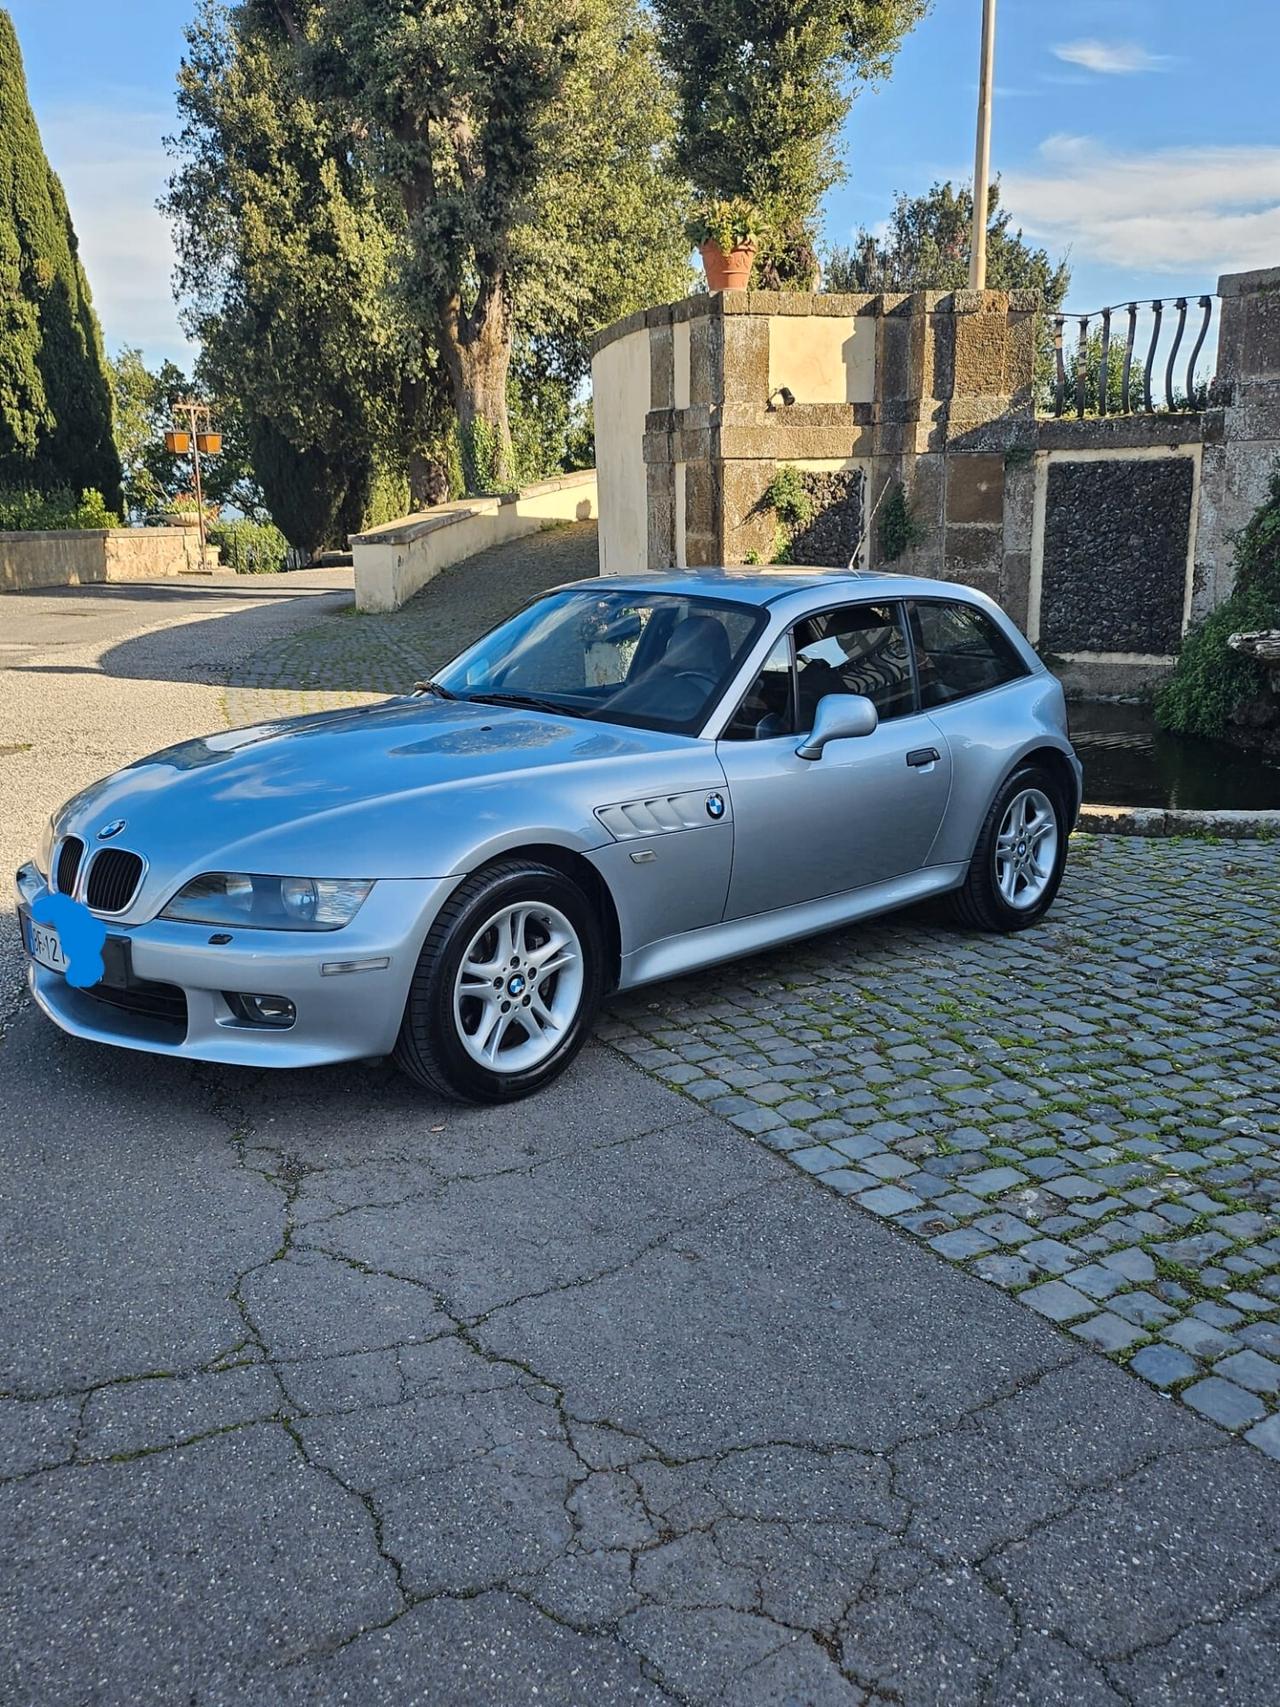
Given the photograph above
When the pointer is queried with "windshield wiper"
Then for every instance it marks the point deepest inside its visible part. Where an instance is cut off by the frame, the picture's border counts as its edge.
(529, 700)
(433, 687)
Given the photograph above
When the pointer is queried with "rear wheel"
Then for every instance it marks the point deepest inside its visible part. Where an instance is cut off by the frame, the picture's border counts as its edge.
(506, 987)
(1018, 861)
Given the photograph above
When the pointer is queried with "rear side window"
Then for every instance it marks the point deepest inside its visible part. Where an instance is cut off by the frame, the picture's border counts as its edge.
(855, 649)
(960, 651)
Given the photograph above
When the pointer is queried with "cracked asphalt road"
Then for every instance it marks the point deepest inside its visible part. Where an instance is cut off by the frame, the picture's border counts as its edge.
(315, 1391)
(318, 1392)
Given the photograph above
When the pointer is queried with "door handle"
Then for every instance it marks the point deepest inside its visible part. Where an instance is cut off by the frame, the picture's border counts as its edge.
(921, 756)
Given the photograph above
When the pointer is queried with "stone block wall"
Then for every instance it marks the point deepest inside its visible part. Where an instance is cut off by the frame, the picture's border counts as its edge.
(1102, 538)
(82, 556)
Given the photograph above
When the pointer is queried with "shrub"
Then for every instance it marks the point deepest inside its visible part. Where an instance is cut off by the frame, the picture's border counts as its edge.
(792, 502)
(1210, 683)
(388, 499)
(788, 497)
(899, 530)
(24, 511)
(251, 548)
(728, 223)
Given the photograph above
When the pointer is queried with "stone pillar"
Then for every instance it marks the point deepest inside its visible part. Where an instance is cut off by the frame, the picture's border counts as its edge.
(1235, 472)
(955, 417)
(982, 348)
(931, 389)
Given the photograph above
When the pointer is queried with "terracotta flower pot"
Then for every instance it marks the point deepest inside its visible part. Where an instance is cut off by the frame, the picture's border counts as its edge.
(731, 271)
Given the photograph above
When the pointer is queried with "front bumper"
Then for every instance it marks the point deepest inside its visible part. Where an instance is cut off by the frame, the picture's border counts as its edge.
(341, 1015)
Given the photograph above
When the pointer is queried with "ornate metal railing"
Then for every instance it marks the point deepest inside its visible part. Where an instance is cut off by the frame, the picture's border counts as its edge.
(1107, 371)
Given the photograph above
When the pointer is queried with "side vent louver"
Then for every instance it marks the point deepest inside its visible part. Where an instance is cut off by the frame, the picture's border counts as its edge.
(660, 815)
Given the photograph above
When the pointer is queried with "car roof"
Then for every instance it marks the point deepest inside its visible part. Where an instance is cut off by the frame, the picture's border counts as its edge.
(758, 586)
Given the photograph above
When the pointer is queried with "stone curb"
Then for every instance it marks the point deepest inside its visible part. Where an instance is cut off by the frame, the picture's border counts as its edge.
(1156, 821)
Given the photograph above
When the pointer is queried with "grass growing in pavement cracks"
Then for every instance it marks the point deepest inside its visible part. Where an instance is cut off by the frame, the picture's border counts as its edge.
(1181, 1275)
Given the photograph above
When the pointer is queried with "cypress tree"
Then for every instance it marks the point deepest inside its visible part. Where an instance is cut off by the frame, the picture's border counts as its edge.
(55, 401)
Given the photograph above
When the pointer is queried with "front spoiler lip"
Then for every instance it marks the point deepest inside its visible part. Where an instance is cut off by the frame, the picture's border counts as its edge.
(339, 1018)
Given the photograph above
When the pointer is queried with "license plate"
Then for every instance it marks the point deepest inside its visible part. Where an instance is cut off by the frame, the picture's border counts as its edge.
(45, 946)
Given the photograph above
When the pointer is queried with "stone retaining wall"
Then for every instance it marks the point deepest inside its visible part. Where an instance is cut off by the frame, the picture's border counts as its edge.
(77, 557)
(394, 562)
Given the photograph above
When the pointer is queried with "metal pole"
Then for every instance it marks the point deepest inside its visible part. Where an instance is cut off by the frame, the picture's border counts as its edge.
(982, 152)
(195, 458)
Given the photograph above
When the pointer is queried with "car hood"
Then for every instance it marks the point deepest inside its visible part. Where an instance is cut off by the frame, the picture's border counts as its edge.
(405, 788)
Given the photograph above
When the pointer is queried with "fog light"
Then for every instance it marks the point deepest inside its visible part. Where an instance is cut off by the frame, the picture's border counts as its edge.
(276, 1011)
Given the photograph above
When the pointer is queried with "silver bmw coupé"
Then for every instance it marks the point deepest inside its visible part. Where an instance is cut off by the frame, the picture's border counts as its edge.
(628, 779)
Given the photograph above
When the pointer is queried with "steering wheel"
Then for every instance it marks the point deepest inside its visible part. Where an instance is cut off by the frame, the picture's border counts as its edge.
(707, 680)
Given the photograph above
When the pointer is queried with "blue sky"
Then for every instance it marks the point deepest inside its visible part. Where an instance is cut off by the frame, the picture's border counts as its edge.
(1139, 135)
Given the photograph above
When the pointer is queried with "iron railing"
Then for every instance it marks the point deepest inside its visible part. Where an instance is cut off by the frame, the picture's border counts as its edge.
(1107, 374)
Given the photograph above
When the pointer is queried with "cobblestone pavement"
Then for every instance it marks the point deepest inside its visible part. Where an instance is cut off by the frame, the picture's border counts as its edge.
(354, 657)
(1087, 1115)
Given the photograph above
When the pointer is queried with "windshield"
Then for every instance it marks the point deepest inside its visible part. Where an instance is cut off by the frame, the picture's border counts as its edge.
(654, 660)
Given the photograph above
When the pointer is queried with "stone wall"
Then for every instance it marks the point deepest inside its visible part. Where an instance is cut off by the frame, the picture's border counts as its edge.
(1102, 538)
(834, 533)
(395, 561)
(78, 557)
(1117, 511)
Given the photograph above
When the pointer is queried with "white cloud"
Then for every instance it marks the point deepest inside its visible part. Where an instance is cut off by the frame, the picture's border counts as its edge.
(1202, 210)
(1116, 58)
(113, 167)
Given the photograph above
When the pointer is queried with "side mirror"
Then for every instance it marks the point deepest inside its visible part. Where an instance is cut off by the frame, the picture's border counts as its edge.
(839, 717)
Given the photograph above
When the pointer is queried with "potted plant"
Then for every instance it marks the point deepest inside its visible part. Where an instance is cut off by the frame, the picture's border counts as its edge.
(727, 234)
(184, 512)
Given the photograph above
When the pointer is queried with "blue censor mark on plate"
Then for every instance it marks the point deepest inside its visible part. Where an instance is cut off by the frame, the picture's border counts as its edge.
(80, 934)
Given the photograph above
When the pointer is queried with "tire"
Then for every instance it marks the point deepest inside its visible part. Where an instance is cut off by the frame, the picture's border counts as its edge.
(473, 1029)
(1009, 888)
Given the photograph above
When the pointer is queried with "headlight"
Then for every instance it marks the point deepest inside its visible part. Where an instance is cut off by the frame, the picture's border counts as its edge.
(44, 851)
(269, 903)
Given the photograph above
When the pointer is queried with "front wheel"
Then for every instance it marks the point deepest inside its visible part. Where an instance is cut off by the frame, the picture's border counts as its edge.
(1019, 857)
(506, 987)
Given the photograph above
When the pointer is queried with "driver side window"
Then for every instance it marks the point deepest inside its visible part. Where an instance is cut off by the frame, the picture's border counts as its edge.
(767, 708)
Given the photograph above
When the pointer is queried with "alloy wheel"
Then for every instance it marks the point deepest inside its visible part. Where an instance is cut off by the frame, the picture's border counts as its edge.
(1026, 848)
(518, 988)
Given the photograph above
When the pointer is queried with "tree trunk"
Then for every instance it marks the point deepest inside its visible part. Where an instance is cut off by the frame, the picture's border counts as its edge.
(428, 481)
(477, 352)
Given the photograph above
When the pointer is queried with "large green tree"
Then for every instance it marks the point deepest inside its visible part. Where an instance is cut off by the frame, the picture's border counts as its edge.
(142, 413)
(283, 253)
(523, 148)
(926, 247)
(364, 250)
(763, 87)
(55, 402)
